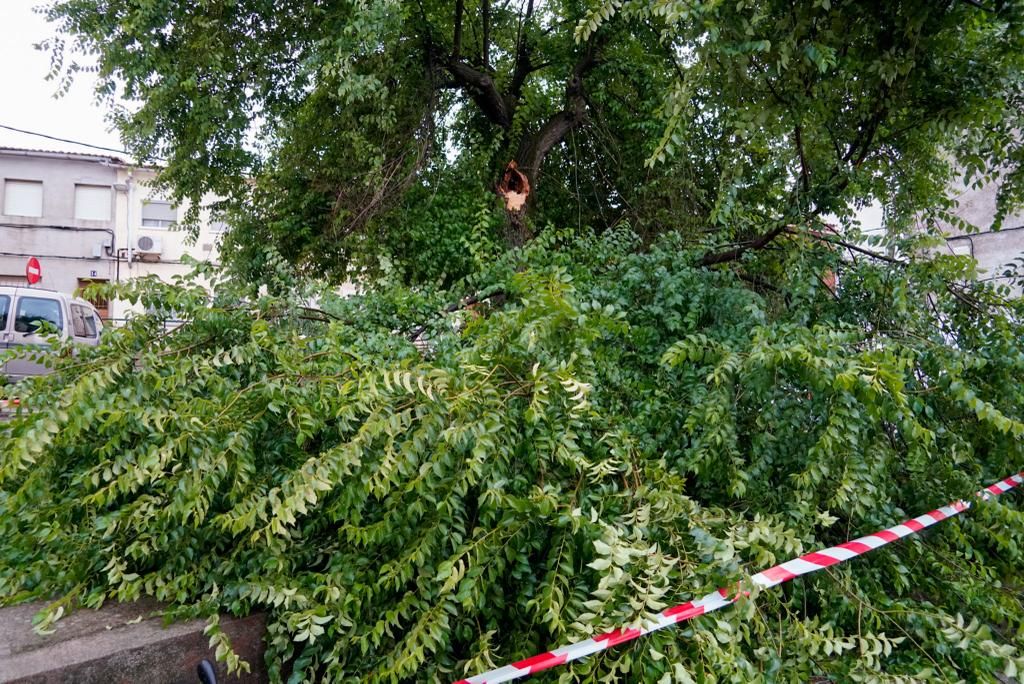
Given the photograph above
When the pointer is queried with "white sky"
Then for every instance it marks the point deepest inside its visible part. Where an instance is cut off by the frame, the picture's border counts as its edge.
(27, 98)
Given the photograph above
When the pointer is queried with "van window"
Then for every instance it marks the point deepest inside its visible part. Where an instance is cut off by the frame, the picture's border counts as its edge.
(77, 321)
(91, 329)
(5, 307)
(33, 309)
(82, 321)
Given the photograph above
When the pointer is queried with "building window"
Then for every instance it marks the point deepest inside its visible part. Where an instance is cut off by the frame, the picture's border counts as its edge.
(158, 214)
(218, 227)
(23, 198)
(92, 202)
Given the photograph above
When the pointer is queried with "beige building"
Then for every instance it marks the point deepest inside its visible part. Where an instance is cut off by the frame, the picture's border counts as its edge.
(145, 226)
(90, 218)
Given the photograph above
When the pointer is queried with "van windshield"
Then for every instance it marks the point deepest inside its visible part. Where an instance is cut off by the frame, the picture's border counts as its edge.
(5, 307)
(32, 310)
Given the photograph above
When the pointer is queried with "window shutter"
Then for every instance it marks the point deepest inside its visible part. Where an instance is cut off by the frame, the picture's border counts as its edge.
(23, 198)
(92, 202)
(158, 214)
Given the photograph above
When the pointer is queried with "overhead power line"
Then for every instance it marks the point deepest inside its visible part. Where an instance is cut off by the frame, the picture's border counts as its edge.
(64, 140)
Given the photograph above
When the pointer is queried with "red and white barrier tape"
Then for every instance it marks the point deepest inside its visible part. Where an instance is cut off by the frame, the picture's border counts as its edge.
(807, 563)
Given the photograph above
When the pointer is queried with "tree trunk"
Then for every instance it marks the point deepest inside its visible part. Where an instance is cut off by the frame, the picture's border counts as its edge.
(516, 188)
(520, 177)
(517, 229)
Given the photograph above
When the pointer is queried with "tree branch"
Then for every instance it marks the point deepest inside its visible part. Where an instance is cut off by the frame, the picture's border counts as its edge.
(483, 91)
(848, 245)
(498, 298)
(736, 252)
(974, 3)
(857, 152)
(460, 7)
(535, 148)
(524, 65)
(524, 19)
(805, 171)
(478, 82)
(860, 147)
(485, 49)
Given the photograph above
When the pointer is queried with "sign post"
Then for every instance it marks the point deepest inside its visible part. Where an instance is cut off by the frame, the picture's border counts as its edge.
(33, 271)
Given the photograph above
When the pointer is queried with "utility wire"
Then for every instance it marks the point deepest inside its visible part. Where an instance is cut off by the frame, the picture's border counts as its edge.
(65, 140)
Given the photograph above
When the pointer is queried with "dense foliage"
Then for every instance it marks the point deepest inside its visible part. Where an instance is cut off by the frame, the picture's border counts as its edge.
(604, 433)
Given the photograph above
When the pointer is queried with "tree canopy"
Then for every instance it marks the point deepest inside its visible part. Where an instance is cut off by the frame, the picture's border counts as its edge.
(347, 133)
(618, 341)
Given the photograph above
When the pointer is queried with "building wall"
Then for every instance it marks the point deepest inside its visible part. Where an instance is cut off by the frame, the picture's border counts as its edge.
(68, 249)
(174, 243)
(992, 249)
(72, 251)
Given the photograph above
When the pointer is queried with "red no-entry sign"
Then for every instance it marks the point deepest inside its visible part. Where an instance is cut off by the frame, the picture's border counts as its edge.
(33, 271)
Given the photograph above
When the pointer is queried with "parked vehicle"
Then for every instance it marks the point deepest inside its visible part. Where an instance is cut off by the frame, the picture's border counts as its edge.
(26, 315)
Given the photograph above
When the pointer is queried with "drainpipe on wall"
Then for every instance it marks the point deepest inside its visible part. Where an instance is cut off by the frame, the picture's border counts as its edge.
(128, 217)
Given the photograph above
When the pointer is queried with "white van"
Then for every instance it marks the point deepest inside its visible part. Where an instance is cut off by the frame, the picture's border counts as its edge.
(23, 309)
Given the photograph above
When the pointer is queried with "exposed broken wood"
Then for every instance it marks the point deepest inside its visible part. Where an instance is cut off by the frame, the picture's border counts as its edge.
(514, 187)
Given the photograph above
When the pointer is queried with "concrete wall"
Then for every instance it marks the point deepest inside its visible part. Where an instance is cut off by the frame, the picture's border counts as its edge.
(992, 249)
(67, 248)
(121, 643)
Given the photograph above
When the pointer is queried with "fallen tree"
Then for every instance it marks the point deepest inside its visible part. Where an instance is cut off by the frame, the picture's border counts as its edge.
(623, 431)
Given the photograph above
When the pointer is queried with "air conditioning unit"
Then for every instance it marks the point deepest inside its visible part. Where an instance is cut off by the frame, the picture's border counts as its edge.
(146, 246)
